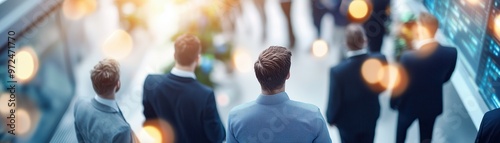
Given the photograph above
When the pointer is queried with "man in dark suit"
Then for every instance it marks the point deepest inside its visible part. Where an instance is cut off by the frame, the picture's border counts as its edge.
(489, 131)
(181, 101)
(353, 104)
(429, 66)
(375, 25)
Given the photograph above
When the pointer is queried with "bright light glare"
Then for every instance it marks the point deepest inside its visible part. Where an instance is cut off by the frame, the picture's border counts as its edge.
(76, 9)
(242, 60)
(319, 48)
(151, 134)
(118, 45)
(4, 108)
(358, 9)
(496, 27)
(23, 122)
(26, 64)
(370, 70)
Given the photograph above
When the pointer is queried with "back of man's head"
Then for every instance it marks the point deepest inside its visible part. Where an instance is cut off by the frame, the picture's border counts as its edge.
(187, 49)
(105, 77)
(272, 67)
(355, 37)
(429, 22)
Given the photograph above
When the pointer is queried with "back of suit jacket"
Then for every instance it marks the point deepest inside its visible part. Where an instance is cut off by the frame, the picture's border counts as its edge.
(424, 94)
(352, 104)
(186, 104)
(489, 130)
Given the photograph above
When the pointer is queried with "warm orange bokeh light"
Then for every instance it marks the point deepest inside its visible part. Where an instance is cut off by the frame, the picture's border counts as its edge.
(393, 78)
(473, 1)
(23, 122)
(26, 64)
(496, 26)
(154, 133)
(242, 60)
(319, 48)
(370, 70)
(118, 45)
(76, 9)
(4, 108)
(359, 10)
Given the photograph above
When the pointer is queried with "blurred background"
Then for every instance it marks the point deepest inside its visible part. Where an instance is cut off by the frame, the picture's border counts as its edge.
(59, 41)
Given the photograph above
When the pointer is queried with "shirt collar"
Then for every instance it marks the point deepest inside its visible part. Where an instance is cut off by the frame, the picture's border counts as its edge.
(183, 73)
(420, 43)
(108, 102)
(357, 52)
(273, 99)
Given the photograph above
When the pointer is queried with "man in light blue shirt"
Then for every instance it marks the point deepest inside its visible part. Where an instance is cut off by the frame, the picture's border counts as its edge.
(273, 117)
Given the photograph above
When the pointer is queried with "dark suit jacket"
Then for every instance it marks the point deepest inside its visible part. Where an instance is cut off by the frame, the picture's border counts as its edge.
(187, 105)
(352, 103)
(489, 131)
(424, 95)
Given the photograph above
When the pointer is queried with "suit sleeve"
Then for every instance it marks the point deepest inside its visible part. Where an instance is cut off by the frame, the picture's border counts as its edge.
(452, 67)
(479, 138)
(333, 99)
(148, 112)
(77, 131)
(212, 124)
(124, 135)
(323, 135)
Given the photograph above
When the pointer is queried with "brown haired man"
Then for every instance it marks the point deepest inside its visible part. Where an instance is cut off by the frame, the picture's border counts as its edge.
(100, 119)
(181, 101)
(273, 117)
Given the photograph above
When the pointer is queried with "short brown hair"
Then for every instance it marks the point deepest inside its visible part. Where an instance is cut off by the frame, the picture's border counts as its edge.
(105, 76)
(355, 37)
(272, 67)
(429, 21)
(187, 49)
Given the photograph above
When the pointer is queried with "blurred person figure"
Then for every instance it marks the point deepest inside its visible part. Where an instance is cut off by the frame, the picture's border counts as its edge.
(180, 100)
(353, 104)
(489, 130)
(286, 6)
(273, 117)
(375, 25)
(100, 119)
(429, 66)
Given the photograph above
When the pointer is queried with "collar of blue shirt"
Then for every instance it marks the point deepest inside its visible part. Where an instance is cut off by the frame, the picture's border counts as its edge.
(183, 73)
(108, 102)
(273, 99)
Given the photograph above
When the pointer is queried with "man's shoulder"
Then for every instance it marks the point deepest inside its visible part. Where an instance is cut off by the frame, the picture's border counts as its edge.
(242, 108)
(301, 106)
(493, 114)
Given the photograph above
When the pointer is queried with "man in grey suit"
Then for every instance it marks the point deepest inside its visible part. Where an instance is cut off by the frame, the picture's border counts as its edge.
(100, 119)
(273, 117)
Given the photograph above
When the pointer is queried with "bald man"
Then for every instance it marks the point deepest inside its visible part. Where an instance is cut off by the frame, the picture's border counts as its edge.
(353, 104)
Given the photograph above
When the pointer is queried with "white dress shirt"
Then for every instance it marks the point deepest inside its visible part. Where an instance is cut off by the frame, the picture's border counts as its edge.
(183, 73)
(108, 102)
(420, 43)
(357, 52)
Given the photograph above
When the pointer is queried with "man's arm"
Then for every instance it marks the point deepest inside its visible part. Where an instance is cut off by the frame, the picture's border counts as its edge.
(149, 112)
(78, 135)
(323, 135)
(124, 135)
(333, 99)
(230, 136)
(212, 124)
(452, 67)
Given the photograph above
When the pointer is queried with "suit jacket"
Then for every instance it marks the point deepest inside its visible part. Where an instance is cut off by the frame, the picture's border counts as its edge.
(424, 95)
(96, 123)
(186, 104)
(353, 103)
(489, 130)
(277, 119)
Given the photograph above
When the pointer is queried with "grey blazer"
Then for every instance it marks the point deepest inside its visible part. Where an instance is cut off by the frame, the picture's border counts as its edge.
(99, 123)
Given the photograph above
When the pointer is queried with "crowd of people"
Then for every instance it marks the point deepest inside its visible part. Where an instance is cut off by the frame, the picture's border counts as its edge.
(185, 110)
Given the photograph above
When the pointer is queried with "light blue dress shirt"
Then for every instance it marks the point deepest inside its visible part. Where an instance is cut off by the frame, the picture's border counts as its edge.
(276, 119)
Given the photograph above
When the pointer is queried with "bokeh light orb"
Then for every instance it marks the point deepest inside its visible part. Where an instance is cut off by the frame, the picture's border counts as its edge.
(76, 9)
(223, 99)
(26, 64)
(370, 70)
(319, 48)
(4, 108)
(118, 45)
(393, 77)
(23, 122)
(153, 133)
(242, 60)
(496, 26)
(359, 11)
